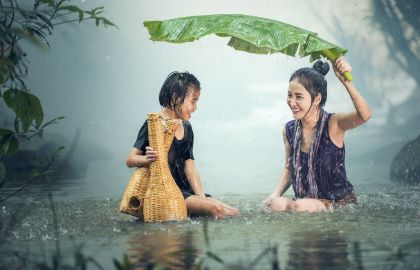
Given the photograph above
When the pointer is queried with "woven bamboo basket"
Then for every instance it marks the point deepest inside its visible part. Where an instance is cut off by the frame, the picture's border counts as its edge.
(152, 194)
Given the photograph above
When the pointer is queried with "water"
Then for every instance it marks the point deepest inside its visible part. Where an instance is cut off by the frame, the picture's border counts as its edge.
(240, 157)
(369, 235)
(373, 234)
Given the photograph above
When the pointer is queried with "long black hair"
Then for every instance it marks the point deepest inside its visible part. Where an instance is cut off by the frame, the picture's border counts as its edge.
(313, 80)
(176, 88)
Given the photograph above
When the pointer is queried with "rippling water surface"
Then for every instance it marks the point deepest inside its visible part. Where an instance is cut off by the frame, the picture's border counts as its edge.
(381, 232)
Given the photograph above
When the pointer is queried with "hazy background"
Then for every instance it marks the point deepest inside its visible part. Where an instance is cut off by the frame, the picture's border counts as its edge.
(104, 81)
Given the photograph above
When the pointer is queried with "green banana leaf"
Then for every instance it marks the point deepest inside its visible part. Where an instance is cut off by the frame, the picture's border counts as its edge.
(247, 33)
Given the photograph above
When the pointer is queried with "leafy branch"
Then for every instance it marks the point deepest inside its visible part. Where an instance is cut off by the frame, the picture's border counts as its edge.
(46, 169)
(33, 21)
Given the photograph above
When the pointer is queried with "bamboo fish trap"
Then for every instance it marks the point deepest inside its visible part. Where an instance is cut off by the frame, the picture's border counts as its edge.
(152, 194)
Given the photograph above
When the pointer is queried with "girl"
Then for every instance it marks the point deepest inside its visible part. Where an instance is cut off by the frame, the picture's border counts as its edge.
(314, 142)
(178, 97)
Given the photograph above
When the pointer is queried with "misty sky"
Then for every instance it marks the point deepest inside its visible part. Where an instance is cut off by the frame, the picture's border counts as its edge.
(104, 81)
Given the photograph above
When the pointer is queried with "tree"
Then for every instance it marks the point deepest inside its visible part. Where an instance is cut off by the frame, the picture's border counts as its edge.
(34, 21)
(400, 21)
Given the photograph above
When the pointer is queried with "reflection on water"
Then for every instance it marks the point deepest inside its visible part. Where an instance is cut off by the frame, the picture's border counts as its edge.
(315, 250)
(377, 233)
(170, 248)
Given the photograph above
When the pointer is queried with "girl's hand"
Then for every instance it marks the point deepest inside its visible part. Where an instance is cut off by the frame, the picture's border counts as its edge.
(340, 66)
(151, 155)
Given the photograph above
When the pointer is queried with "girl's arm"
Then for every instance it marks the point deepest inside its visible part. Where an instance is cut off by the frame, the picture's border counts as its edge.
(137, 159)
(362, 113)
(193, 177)
(283, 182)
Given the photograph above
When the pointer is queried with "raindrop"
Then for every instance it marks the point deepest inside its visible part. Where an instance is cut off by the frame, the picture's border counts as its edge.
(46, 237)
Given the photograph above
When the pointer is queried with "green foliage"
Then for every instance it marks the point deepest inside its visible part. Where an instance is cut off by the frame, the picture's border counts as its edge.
(34, 21)
(209, 254)
(74, 9)
(124, 265)
(92, 14)
(35, 24)
(80, 261)
(8, 142)
(26, 106)
(247, 33)
(214, 256)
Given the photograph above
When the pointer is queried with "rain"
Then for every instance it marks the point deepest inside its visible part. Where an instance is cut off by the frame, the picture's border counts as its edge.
(100, 82)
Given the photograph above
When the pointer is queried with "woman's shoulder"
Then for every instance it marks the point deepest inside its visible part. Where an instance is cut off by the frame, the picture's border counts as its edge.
(331, 118)
(290, 129)
(290, 126)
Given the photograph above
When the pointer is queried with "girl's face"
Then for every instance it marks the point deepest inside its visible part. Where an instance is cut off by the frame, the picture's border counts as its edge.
(299, 100)
(189, 105)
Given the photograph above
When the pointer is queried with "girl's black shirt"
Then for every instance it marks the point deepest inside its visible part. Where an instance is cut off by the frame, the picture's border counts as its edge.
(180, 151)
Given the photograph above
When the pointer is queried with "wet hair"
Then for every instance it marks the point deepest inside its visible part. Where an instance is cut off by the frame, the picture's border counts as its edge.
(176, 88)
(313, 80)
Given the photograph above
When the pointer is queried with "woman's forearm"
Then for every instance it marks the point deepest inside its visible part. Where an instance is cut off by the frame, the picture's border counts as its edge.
(360, 104)
(283, 183)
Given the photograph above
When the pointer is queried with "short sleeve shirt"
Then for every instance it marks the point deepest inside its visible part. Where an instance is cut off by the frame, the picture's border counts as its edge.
(179, 151)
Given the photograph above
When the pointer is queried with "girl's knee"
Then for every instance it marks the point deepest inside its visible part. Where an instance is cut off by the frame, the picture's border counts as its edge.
(232, 211)
(216, 210)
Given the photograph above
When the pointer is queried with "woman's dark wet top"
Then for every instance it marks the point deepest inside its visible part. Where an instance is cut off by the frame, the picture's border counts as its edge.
(330, 168)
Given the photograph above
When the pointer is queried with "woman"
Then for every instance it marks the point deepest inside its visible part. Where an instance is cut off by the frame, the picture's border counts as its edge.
(314, 142)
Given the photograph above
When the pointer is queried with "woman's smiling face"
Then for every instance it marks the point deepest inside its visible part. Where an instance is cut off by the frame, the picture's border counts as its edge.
(298, 99)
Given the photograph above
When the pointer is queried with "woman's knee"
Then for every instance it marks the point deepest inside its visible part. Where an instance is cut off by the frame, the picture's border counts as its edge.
(307, 205)
(297, 206)
(279, 204)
